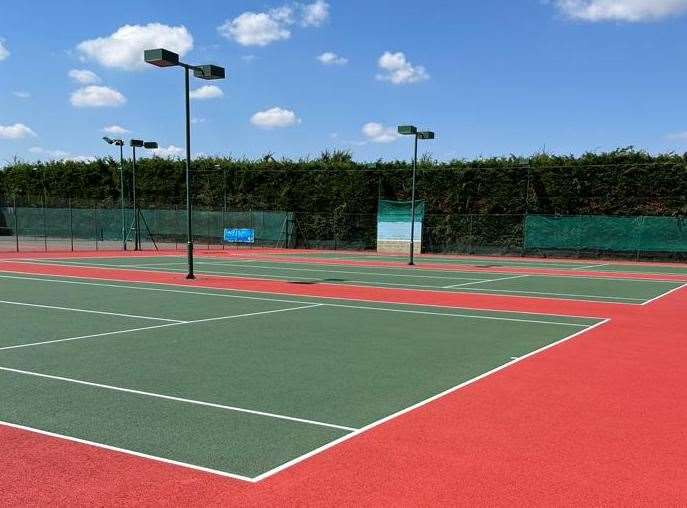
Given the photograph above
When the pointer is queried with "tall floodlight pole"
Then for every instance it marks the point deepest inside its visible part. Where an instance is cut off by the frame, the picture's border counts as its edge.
(165, 58)
(120, 144)
(410, 130)
(150, 145)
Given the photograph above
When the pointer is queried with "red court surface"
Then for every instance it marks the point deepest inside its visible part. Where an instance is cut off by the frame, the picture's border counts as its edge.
(596, 420)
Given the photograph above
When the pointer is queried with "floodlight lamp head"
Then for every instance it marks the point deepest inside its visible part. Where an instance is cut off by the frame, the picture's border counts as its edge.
(150, 145)
(136, 143)
(107, 140)
(161, 57)
(209, 72)
(407, 130)
(426, 135)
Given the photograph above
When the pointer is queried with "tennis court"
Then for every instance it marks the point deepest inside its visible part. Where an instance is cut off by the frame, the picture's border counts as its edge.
(238, 383)
(488, 279)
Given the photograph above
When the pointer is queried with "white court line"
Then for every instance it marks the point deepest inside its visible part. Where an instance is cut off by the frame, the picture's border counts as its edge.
(235, 409)
(128, 452)
(665, 294)
(588, 267)
(88, 311)
(420, 404)
(483, 281)
(338, 305)
(180, 323)
(225, 293)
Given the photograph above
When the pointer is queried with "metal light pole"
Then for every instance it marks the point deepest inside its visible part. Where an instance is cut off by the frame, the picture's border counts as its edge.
(137, 143)
(165, 58)
(120, 144)
(410, 130)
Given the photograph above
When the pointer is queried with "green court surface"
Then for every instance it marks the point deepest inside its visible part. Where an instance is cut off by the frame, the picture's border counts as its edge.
(616, 290)
(236, 382)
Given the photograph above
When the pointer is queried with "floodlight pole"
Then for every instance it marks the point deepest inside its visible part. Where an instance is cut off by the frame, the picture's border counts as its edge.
(189, 212)
(137, 244)
(121, 185)
(412, 209)
(161, 57)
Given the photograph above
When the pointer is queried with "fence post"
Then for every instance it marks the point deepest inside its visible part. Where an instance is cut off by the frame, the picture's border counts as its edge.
(45, 227)
(16, 223)
(71, 223)
(95, 225)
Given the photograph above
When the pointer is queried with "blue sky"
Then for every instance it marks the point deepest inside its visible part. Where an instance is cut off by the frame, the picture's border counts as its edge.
(492, 77)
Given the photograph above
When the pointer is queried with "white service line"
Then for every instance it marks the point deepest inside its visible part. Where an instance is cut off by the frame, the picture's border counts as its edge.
(178, 399)
(180, 323)
(588, 267)
(89, 311)
(418, 405)
(484, 281)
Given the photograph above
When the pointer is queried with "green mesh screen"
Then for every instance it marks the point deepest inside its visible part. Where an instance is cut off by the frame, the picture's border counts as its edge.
(643, 234)
(400, 211)
(106, 223)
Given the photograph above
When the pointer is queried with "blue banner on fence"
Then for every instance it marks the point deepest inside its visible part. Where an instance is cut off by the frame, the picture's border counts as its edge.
(239, 235)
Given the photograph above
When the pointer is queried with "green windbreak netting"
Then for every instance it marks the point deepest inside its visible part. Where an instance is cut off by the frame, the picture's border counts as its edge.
(643, 234)
(106, 223)
(400, 211)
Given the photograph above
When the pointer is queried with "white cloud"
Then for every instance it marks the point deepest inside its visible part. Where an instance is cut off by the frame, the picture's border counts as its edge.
(207, 92)
(378, 133)
(632, 11)
(16, 131)
(329, 58)
(275, 118)
(398, 70)
(84, 76)
(197, 120)
(51, 154)
(115, 129)
(315, 14)
(255, 29)
(124, 48)
(4, 52)
(170, 152)
(60, 155)
(263, 28)
(96, 97)
(22, 94)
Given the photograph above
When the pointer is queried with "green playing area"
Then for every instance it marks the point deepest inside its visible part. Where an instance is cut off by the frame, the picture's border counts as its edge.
(235, 382)
(486, 281)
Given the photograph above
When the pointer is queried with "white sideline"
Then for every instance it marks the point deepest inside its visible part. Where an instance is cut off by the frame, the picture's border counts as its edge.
(127, 452)
(88, 311)
(178, 399)
(484, 281)
(180, 323)
(648, 302)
